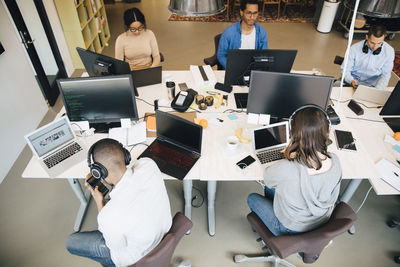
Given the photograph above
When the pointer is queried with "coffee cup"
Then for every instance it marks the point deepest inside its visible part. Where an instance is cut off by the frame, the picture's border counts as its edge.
(232, 142)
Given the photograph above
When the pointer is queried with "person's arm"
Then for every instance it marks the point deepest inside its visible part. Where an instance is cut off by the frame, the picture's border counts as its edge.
(348, 78)
(119, 49)
(275, 173)
(387, 68)
(263, 38)
(155, 53)
(222, 52)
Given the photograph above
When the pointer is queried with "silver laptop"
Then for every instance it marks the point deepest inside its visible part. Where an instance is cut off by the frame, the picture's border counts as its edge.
(56, 146)
(371, 94)
(269, 141)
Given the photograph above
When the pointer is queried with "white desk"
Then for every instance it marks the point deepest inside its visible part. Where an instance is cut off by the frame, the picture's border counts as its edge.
(216, 163)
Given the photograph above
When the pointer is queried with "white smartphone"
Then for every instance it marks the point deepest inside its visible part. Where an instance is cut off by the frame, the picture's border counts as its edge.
(181, 98)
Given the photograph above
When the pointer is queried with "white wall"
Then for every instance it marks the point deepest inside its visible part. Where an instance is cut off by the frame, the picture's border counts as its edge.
(22, 105)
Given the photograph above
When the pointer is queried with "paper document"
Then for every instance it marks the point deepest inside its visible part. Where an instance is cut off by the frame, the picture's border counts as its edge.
(390, 173)
(127, 137)
(203, 76)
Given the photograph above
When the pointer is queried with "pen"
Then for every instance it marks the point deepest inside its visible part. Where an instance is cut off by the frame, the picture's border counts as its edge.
(396, 174)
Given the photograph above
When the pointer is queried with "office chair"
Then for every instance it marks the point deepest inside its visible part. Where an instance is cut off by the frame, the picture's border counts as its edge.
(309, 244)
(392, 223)
(161, 57)
(161, 255)
(213, 60)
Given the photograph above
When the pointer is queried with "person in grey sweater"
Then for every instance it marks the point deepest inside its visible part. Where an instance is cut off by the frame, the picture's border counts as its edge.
(301, 189)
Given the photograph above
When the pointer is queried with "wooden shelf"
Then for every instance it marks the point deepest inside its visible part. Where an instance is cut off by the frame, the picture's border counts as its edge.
(85, 25)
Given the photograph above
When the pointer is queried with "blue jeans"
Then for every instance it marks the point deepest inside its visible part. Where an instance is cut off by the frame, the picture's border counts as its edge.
(263, 207)
(90, 245)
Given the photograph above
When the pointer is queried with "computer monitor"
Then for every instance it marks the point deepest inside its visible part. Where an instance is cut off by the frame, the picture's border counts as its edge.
(392, 107)
(102, 101)
(98, 65)
(279, 94)
(240, 62)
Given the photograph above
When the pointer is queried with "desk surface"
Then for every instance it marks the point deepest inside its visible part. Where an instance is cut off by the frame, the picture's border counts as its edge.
(219, 163)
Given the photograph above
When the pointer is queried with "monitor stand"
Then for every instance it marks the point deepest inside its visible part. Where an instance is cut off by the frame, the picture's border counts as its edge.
(104, 126)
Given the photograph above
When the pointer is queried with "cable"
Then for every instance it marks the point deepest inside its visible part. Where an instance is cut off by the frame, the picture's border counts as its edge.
(364, 119)
(132, 146)
(195, 197)
(365, 198)
(342, 101)
(233, 110)
(150, 103)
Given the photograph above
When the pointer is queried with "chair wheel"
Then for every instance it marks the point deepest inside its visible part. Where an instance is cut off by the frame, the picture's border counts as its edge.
(393, 222)
(239, 258)
(397, 259)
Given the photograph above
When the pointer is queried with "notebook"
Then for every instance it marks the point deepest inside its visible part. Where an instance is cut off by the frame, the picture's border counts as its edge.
(177, 146)
(147, 76)
(269, 141)
(390, 173)
(56, 146)
(371, 94)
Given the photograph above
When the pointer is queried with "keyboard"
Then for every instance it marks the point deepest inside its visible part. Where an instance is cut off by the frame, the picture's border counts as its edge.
(165, 154)
(270, 155)
(62, 155)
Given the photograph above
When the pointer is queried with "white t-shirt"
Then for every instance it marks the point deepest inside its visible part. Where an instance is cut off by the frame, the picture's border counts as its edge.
(249, 40)
(138, 214)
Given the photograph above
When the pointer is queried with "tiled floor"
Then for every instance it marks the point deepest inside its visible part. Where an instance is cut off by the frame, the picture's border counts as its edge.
(37, 215)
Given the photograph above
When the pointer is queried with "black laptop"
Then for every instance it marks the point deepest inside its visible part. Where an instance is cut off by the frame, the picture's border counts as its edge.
(178, 145)
(391, 110)
(148, 76)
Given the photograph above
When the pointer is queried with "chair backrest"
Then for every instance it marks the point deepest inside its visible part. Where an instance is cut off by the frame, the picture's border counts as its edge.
(161, 255)
(213, 60)
(309, 243)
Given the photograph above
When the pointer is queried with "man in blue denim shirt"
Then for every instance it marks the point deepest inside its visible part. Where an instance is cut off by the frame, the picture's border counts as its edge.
(246, 34)
(370, 61)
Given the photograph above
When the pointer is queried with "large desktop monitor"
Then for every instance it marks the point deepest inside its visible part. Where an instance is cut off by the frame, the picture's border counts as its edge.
(102, 101)
(279, 94)
(240, 62)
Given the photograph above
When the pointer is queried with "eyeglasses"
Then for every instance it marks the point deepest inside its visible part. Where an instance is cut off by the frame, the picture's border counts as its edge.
(141, 28)
(249, 14)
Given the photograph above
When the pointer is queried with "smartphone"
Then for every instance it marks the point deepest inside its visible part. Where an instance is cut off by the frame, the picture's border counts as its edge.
(182, 86)
(181, 98)
(245, 162)
(93, 182)
(345, 140)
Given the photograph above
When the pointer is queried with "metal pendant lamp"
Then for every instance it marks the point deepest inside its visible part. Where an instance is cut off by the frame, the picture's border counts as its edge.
(196, 8)
(377, 8)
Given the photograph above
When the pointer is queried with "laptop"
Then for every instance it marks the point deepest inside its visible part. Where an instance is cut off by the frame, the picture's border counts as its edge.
(177, 146)
(371, 94)
(56, 146)
(148, 76)
(269, 141)
(391, 110)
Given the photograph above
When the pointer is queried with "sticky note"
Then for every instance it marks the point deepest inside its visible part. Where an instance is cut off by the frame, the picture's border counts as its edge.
(151, 123)
(264, 119)
(252, 118)
(397, 148)
(126, 123)
(232, 116)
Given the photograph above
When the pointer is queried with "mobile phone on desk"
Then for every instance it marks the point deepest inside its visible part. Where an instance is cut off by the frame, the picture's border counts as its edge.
(345, 140)
(93, 182)
(245, 162)
(181, 98)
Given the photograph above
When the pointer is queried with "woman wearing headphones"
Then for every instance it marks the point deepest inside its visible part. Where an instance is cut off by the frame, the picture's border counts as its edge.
(301, 190)
(138, 45)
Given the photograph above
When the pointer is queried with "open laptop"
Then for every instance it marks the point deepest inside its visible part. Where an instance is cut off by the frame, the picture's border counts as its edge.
(371, 94)
(391, 110)
(56, 146)
(148, 76)
(178, 145)
(269, 141)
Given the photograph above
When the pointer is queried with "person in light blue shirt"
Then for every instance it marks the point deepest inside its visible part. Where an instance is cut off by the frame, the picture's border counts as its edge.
(370, 61)
(246, 34)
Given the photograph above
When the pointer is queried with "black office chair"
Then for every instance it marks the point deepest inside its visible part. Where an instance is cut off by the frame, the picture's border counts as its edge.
(213, 60)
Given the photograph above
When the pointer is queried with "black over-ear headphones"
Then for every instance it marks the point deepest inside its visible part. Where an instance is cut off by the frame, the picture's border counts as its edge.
(97, 170)
(365, 49)
(310, 106)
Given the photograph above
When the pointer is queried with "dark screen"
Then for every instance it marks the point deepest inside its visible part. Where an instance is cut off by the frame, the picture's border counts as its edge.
(241, 61)
(268, 137)
(392, 106)
(178, 130)
(99, 99)
(279, 94)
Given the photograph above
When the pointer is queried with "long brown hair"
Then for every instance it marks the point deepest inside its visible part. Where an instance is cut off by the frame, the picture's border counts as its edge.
(309, 131)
